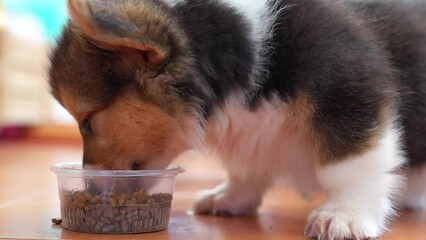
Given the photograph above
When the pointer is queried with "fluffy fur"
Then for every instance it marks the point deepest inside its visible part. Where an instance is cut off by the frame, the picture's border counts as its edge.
(414, 195)
(327, 95)
(359, 202)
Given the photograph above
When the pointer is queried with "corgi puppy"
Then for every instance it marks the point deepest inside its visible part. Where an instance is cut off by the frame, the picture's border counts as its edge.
(328, 95)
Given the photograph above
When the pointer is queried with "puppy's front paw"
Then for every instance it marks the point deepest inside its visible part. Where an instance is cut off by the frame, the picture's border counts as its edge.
(328, 223)
(225, 200)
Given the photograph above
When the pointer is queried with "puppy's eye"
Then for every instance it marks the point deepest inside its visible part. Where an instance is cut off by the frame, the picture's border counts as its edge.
(85, 126)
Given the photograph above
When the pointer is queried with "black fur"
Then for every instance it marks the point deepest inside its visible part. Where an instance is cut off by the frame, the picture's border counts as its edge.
(355, 60)
(220, 43)
(402, 28)
(97, 88)
(321, 52)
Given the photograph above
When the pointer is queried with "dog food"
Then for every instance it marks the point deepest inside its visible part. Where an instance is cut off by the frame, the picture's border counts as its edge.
(111, 212)
(56, 221)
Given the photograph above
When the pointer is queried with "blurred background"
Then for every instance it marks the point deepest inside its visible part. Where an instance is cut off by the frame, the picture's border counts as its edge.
(28, 30)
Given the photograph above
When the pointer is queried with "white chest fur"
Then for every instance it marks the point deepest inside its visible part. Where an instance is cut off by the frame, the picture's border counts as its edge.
(261, 145)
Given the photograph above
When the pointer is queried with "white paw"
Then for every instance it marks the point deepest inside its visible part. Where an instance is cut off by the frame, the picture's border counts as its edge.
(226, 201)
(327, 223)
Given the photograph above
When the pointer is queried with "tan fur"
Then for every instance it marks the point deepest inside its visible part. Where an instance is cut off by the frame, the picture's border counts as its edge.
(80, 14)
(129, 114)
(153, 39)
(78, 109)
(69, 102)
(300, 112)
(131, 130)
(329, 157)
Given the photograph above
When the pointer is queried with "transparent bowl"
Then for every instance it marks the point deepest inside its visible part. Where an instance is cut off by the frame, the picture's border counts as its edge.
(115, 202)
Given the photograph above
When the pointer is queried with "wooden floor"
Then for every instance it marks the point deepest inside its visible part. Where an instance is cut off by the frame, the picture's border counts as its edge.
(28, 200)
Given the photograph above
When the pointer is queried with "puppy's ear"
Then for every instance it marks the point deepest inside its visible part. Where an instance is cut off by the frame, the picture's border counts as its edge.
(118, 26)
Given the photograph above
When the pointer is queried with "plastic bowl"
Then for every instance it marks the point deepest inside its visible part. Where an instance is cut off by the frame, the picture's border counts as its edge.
(115, 202)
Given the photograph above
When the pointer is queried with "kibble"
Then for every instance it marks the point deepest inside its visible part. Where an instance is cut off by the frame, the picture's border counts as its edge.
(110, 212)
(57, 221)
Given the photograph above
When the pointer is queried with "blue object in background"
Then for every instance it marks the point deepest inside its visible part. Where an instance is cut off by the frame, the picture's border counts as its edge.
(52, 14)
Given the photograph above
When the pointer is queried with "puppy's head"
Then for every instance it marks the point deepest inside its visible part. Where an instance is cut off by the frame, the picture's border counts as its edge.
(123, 69)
